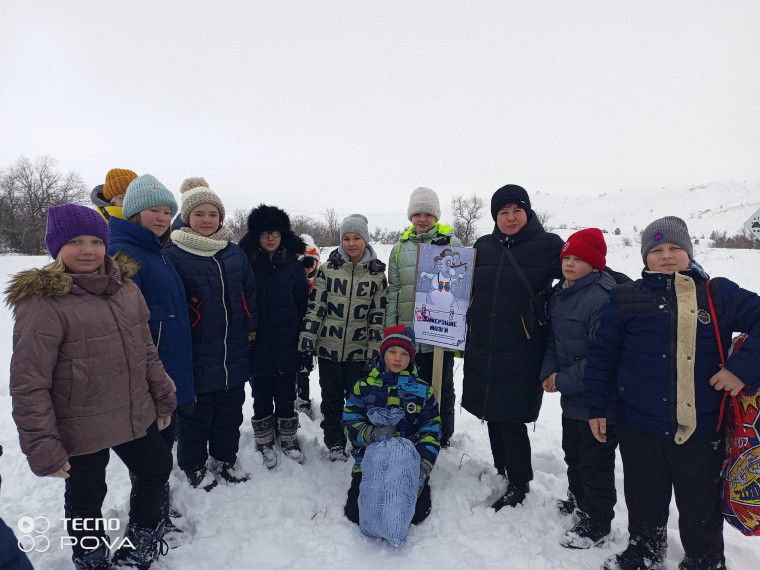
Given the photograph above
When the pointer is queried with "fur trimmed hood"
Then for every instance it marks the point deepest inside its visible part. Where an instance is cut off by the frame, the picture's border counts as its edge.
(49, 283)
(270, 218)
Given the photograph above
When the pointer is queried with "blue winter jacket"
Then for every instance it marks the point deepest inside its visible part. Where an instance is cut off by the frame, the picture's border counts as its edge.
(221, 297)
(575, 315)
(165, 296)
(635, 348)
(421, 422)
(282, 293)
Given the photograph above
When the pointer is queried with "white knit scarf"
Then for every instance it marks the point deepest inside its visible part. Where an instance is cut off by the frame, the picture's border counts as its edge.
(191, 241)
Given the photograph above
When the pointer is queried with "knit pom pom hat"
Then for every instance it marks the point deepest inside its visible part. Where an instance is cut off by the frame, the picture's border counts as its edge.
(117, 181)
(399, 335)
(146, 192)
(68, 221)
(589, 245)
(195, 191)
(424, 201)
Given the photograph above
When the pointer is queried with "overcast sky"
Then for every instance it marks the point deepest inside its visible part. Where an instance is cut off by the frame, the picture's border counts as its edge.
(353, 104)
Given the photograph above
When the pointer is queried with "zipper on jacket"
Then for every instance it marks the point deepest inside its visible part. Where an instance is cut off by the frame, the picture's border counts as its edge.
(226, 324)
(158, 338)
(348, 313)
(673, 315)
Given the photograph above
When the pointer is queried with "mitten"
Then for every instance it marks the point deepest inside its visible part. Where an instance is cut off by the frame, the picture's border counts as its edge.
(424, 474)
(307, 361)
(379, 433)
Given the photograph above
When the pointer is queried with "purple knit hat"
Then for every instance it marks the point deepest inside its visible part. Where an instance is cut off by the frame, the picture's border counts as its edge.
(71, 220)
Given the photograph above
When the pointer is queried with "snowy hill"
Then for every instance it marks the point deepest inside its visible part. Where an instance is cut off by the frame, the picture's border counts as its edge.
(706, 207)
(292, 517)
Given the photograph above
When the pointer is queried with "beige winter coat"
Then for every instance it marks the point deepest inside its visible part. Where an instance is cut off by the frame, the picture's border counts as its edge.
(84, 372)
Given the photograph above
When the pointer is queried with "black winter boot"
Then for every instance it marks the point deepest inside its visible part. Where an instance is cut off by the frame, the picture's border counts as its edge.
(337, 452)
(514, 496)
(567, 506)
(228, 470)
(93, 560)
(708, 562)
(147, 544)
(586, 534)
(641, 554)
(263, 431)
(197, 478)
(173, 535)
(288, 428)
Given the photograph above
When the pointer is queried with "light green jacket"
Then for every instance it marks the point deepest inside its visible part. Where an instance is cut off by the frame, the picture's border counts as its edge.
(402, 274)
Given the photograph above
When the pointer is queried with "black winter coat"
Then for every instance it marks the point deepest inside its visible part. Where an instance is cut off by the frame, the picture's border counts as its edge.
(501, 364)
(221, 298)
(282, 293)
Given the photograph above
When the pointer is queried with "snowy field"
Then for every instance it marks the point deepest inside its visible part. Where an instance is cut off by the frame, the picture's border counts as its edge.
(292, 517)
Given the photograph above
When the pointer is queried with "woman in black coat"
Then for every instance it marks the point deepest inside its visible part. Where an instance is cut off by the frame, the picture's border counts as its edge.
(503, 360)
(282, 294)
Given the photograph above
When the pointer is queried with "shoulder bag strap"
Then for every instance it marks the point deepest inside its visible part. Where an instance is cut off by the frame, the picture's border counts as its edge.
(734, 401)
(520, 274)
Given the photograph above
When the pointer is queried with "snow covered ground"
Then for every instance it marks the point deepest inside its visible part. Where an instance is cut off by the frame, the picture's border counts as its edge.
(292, 517)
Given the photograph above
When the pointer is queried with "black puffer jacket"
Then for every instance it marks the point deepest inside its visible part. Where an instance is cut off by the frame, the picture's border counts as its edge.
(502, 365)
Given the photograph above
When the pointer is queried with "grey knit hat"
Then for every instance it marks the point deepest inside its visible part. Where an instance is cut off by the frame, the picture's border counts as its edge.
(669, 229)
(145, 192)
(424, 201)
(355, 223)
(195, 191)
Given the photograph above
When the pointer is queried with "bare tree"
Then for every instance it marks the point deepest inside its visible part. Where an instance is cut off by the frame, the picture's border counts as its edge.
(544, 216)
(467, 212)
(333, 227)
(27, 190)
(238, 223)
(386, 236)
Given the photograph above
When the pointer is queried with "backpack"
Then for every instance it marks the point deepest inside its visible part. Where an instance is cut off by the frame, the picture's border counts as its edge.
(740, 496)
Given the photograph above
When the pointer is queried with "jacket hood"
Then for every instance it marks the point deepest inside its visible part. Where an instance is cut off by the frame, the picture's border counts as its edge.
(97, 198)
(439, 228)
(271, 218)
(123, 231)
(49, 283)
(339, 257)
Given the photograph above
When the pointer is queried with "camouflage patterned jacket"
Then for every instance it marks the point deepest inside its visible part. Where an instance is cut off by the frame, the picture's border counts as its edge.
(421, 422)
(346, 315)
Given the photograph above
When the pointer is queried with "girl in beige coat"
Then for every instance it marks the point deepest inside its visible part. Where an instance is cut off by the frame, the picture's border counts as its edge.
(86, 378)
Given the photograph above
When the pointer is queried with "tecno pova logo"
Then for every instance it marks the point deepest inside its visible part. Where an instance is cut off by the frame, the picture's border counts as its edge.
(33, 534)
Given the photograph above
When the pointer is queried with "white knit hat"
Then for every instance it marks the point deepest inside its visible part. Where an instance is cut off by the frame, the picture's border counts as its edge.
(424, 201)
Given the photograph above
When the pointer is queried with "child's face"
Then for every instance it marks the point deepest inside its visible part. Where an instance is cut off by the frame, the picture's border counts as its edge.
(270, 241)
(354, 245)
(574, 268)
(156, 219)
(204, 219)
(396, 359)
(83, 254)
(118, 200)
(423, 222)
(667, 258)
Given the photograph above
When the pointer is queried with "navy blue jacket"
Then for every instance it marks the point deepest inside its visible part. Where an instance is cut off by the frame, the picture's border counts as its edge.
(282, 293)
(11, 556)
(165, 296)
(221, 297)
(575, 314)
(634, 351)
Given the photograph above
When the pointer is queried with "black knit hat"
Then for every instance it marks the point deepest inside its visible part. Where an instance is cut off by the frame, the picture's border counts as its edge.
(265, 218)
(510, 194)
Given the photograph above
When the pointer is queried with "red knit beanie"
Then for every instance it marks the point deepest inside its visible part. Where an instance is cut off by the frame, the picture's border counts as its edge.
(589, 245)
(399, 336)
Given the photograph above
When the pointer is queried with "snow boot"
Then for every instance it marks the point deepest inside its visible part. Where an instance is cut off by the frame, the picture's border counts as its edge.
(586, 534)
(173, 535)
(228, 470)
(263, 431)
(304, 406)
(93, 560)
(199, 478)
(514, 496)
(639, 555)
(288, 429)
(337, 452)
(567, 506)
(147, 544)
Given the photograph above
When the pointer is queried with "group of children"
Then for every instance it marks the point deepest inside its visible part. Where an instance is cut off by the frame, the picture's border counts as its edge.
(99, 366)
